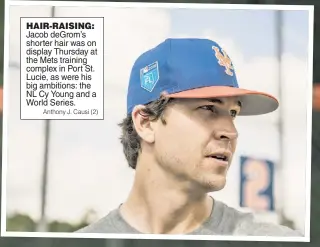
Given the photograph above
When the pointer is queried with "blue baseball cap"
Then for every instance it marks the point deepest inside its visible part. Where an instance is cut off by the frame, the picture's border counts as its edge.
(191, 68)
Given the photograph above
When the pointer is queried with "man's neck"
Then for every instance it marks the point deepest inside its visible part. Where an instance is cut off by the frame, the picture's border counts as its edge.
(159, 205)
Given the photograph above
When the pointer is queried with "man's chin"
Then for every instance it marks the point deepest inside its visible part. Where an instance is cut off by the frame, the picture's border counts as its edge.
(216, 184)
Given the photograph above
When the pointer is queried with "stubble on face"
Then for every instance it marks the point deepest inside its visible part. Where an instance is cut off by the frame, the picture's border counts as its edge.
(181, 144)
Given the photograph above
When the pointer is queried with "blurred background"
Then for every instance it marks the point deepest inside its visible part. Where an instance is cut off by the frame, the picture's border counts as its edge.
(78, 164)
(77, 172)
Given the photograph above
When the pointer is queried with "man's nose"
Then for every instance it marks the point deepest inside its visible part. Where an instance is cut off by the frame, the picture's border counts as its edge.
(226, 131)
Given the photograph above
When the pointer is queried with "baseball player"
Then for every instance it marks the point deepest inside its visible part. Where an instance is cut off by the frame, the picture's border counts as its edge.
(179, 136)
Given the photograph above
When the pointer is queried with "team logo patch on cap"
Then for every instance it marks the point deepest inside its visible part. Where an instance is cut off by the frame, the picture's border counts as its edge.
(149, 76)
(223, 60)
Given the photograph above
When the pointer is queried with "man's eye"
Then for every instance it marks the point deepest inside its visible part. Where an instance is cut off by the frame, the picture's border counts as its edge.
(233, 113)
(211, 108)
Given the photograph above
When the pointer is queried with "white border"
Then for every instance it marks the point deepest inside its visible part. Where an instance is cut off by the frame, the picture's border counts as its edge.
(309, 8)
(162, 5)
(309, 124)
(155, 236)
(4, 117)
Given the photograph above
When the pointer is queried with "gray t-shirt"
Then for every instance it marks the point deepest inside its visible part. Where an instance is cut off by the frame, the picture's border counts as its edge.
(223, 220)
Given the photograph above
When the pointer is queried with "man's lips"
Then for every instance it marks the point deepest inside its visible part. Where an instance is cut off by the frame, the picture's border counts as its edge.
(221, 156)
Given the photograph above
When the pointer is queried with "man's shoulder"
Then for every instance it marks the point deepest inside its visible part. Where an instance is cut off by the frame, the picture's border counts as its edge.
(246, 224)
(257, 228)
(104, 225)
(249, 225)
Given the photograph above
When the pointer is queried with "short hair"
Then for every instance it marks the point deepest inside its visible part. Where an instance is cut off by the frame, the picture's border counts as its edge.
(130, 139)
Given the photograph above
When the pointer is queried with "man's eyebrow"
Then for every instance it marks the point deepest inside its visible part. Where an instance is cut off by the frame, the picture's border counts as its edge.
(239, 103)
(215, 101)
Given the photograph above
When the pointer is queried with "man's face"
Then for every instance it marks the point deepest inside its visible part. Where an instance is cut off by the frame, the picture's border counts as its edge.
(198, 140)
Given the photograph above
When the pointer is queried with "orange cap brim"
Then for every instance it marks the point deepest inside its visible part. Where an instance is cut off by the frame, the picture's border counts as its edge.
(253, 102)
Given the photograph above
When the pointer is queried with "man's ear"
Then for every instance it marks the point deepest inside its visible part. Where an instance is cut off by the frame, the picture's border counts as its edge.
(143, 124)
